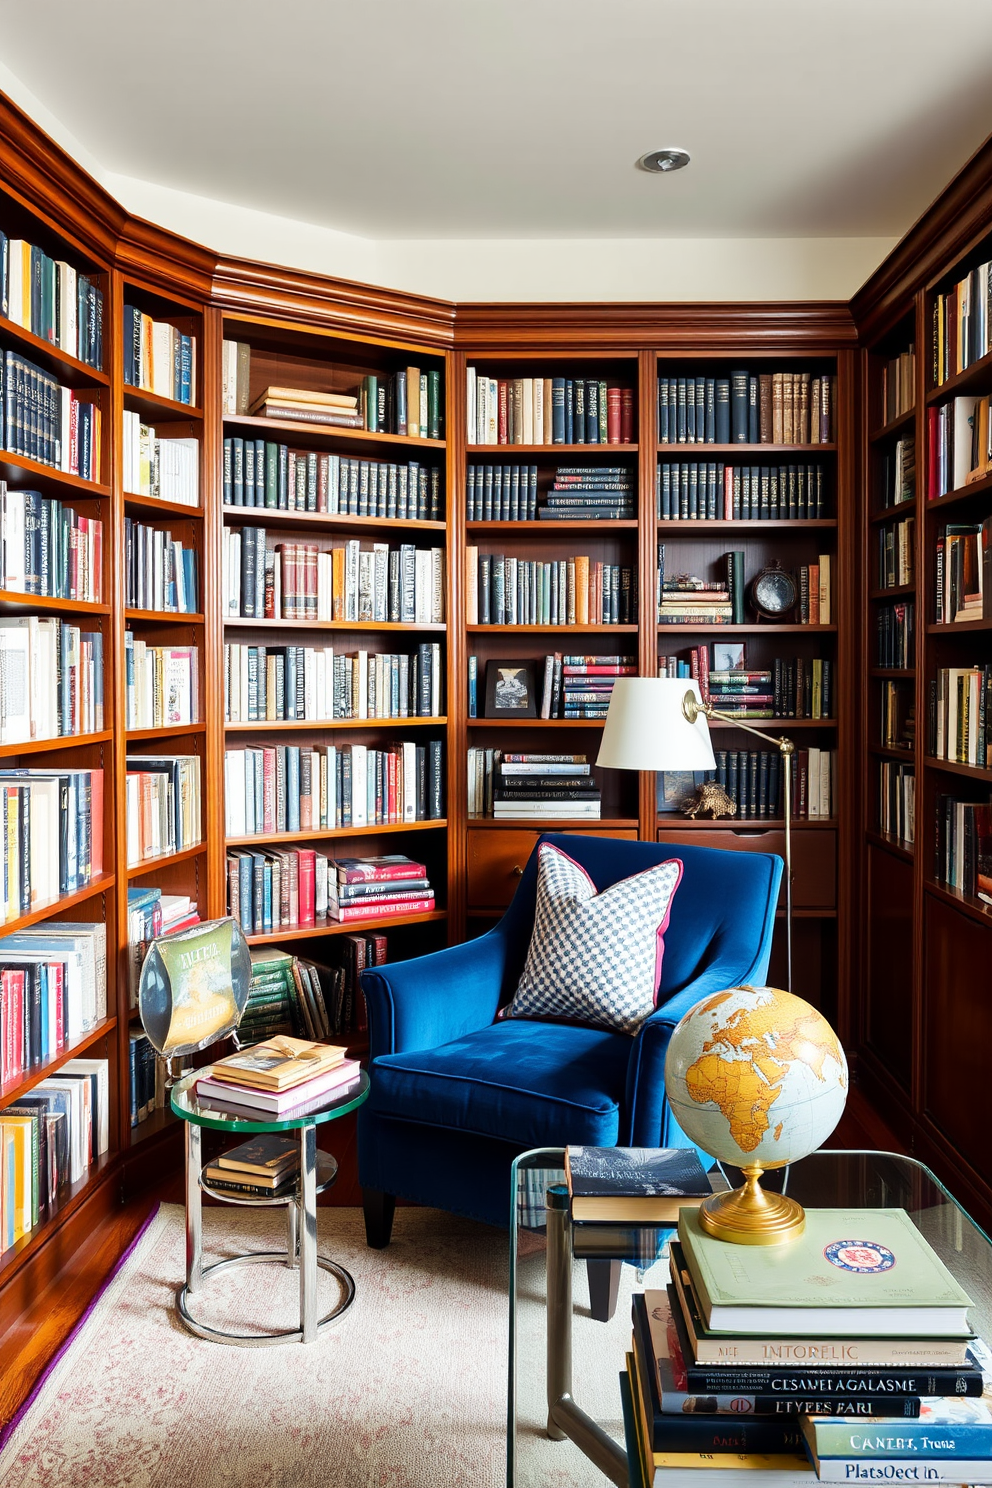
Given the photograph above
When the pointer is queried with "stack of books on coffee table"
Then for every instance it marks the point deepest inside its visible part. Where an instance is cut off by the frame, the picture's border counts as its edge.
(277, 1080)
(845, 1355)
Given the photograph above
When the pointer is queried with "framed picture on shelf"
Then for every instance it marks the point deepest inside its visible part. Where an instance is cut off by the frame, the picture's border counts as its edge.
(511, 689)
(676, 788)
(728, 656)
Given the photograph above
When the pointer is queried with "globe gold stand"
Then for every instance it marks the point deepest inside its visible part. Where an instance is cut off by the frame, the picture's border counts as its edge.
(750, 1215)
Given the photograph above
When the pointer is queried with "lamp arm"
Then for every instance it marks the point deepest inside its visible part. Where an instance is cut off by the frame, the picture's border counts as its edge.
(708, 710)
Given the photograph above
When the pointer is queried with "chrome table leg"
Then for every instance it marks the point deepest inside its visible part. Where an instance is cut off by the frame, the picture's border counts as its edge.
(308, 1237)
(194, 1209)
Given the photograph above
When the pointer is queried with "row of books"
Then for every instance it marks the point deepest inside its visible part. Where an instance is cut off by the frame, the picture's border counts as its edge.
(895, 553)
(159, 358)
(278, 1079)
(294, 889)
(566, 686)
(161, 572)
(747, 408)
(50, 1137)
(555, 787)
(959, 444)
(694, 490)
(51, 299)
(147, 1073)
(687, 600)
(51, 835)
(504, 590)
(964, 847)
(501, 493)
(302, 581)
(961, 324)
(162, 684)
(261, 473)
(288, 788)
(53, 989)
(509, 493)
(801, 688)
(898, 385)
(151, 913)
(49, 423)
(409, 402)
(167, 469)
(301, 998)
(752, 778)
(897, 710)
(961, 708)
(897, 801)
(269, 683)
(963, 572)
(896, 625)
(898, 474)
(51, 679)
(547, 410)
(48, 548)
(163, 795)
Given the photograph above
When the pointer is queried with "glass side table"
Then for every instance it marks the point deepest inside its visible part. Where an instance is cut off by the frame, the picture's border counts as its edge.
(318, 1171)
(564, 1420)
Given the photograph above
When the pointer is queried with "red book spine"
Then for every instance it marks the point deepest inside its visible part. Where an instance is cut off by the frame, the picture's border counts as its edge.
(96, 822)
(728, 493)
(20, 1062)
(614, 418)
(703, 653)
(310, 560)
(346, 913)
(933, 433)
(7, 1016)
(380, 872)
(626, 415)
(73, 435)
(323, 479)
(391, 786)
(308, 876)
(502, 425)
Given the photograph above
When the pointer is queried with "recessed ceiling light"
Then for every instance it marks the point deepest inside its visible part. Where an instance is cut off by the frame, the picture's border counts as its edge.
(671, 159)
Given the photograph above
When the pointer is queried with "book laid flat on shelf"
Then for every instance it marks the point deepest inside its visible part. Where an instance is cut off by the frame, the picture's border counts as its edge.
(852, 1271)
(642, 1185)
(279, 1063)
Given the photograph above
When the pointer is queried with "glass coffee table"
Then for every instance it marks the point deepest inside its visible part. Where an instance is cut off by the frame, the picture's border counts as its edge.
(570, 1321)
(318, 1171)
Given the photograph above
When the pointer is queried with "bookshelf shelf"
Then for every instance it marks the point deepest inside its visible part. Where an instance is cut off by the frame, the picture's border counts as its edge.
(166, 860)
(598, 525)
(34, 1077)
(954, 767)
(748, 825)
(351, 927)
(544, 723)
(322, 834)
(102, 884)
(895, 591)
(975, 909)
(702, 525)
(153, 407)
(892, 513)
(771, 724)
(891, 672)
(12, 600)
(890, 845)
(13, 469)
(346, 625)
(167, 731)
(527, 451)
(889, 751)
(901, 424)
(296, 725)
(70, 1199)
(323, 432)
(68, 369)
(686, 451)
(155, 507)
(60, 743)
(164, 617)
(771, 629)
(551, 630)
(963, 493)
(974, 379)
(161, 1120)
(958, 627)
(553, 824)
(268, 516)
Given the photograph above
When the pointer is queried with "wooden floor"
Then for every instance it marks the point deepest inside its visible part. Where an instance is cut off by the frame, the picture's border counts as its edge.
(27, 1348)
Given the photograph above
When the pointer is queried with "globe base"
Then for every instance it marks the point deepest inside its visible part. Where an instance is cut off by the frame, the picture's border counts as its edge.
(751, 1216)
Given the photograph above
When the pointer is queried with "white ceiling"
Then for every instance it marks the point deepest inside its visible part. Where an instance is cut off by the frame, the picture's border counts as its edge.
(523, 118)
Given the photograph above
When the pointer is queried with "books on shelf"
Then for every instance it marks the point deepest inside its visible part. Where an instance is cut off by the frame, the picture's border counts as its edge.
(897, 801)
(964, 847)
(590, 493)
(53, 989)
(896, 625)
(963, 578)
(747, 408)
(752, 779)
(559, 787)
(48, 423)
(895, 553)
(163, 805)
(48, 548)
(147, 1076)
(51, 835)
(307, 406)
(303, 581)
(272, 1008)
(269, 683)
(685, 599)
(162, 684)
(898, 385)
(235, 377)
(899, 473)
(161, 572)
(504, 590)
(288, 788)
(262, 473)
(266, 1165)
(961, 715)
(51, 679)
(633, 1185)
(796, 688)
(52, 300)
(159, 358)
(151, 913)
(294, 888)
(569, 686)
(898, 715)
(501, 493)
(407, 402)
(712, 491)
(167, 469)
(961, 325)
(959, 444)
(547, 410)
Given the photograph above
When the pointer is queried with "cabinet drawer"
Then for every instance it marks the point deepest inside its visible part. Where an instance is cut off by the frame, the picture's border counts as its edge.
(814, 857)
(497, 858)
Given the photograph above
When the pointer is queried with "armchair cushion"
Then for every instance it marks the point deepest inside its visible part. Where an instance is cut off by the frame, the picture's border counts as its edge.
(530, 1084)
(595, 956)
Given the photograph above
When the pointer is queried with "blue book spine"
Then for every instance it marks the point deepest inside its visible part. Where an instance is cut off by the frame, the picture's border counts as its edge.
(293, 788)
(473, 686)
(934, 1434)
(753, 435)
(569, 411)
(469, 495)
(592, 412)
(185, 369)
(129, 372)
(738, 407)
(266, 896)
(228, 473)
(532, 494)
(710, 416)
(557, 409)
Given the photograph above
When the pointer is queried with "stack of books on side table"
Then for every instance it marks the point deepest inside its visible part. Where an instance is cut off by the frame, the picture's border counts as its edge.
(277, 1080)
(264, 1168)
(844, 1356)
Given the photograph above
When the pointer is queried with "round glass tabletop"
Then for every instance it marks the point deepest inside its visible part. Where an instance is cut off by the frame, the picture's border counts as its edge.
(339, 1103)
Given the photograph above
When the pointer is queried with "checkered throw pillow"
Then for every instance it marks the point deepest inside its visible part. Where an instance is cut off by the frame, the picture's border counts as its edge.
(595, 958)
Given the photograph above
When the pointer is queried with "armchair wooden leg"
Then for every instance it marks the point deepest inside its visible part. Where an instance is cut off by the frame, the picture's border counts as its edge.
(604, 1288)
(378, 1208)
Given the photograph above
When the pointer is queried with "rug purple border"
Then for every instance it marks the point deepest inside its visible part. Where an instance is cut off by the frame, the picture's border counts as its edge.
(7, 1431)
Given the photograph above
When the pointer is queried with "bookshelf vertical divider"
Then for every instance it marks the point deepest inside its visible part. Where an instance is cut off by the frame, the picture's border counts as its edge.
(647, 507)
(459, 647)
(213, 515)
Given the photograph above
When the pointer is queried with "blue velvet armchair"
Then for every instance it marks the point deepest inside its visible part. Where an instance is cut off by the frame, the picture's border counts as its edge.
(456, 1096)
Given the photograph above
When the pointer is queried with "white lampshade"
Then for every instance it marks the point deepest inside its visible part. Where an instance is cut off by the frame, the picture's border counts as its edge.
(646, 728)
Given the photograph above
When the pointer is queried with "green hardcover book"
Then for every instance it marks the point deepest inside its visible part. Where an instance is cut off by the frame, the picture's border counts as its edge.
(852, 1271)
(370, 401)
(433, 405)
(271, 474)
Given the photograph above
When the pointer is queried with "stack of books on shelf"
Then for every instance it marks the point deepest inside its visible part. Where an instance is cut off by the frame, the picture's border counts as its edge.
(365, 888)
(51, 679)
(267, 1167)
(162, 684)
(49, 1138)
(799, 688)
(897, 801)
(686, 600)
(51, 299)
(504, 590)
(896, 635)
(302, 581)
(51, 835)
(898, 385)
(720, 1371)
(272, 998)
(168, 469)
(296, 888)
(961, 715)
(53, 989)
(160, 572)
(158, 357)
(48, 548)
(895, 553)
(961, 325)
(151, 913)
(501, 493)
(407, 403)
(581, 686)
(963, 585)
(590, 493)
(744, 408)
(558, 787)
(964, 847)
(163, 805)
(279, 1079)
(46, 422)
(269, 683)
(305, 406)
(899, 473)
(547, 410)
(714, 492)
(261, 473)
(291, 788)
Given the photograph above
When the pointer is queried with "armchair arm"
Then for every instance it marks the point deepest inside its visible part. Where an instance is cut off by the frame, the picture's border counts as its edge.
(433, 999)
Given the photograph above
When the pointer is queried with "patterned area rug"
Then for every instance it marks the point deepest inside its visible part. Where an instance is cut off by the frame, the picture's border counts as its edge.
(407, 1391)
